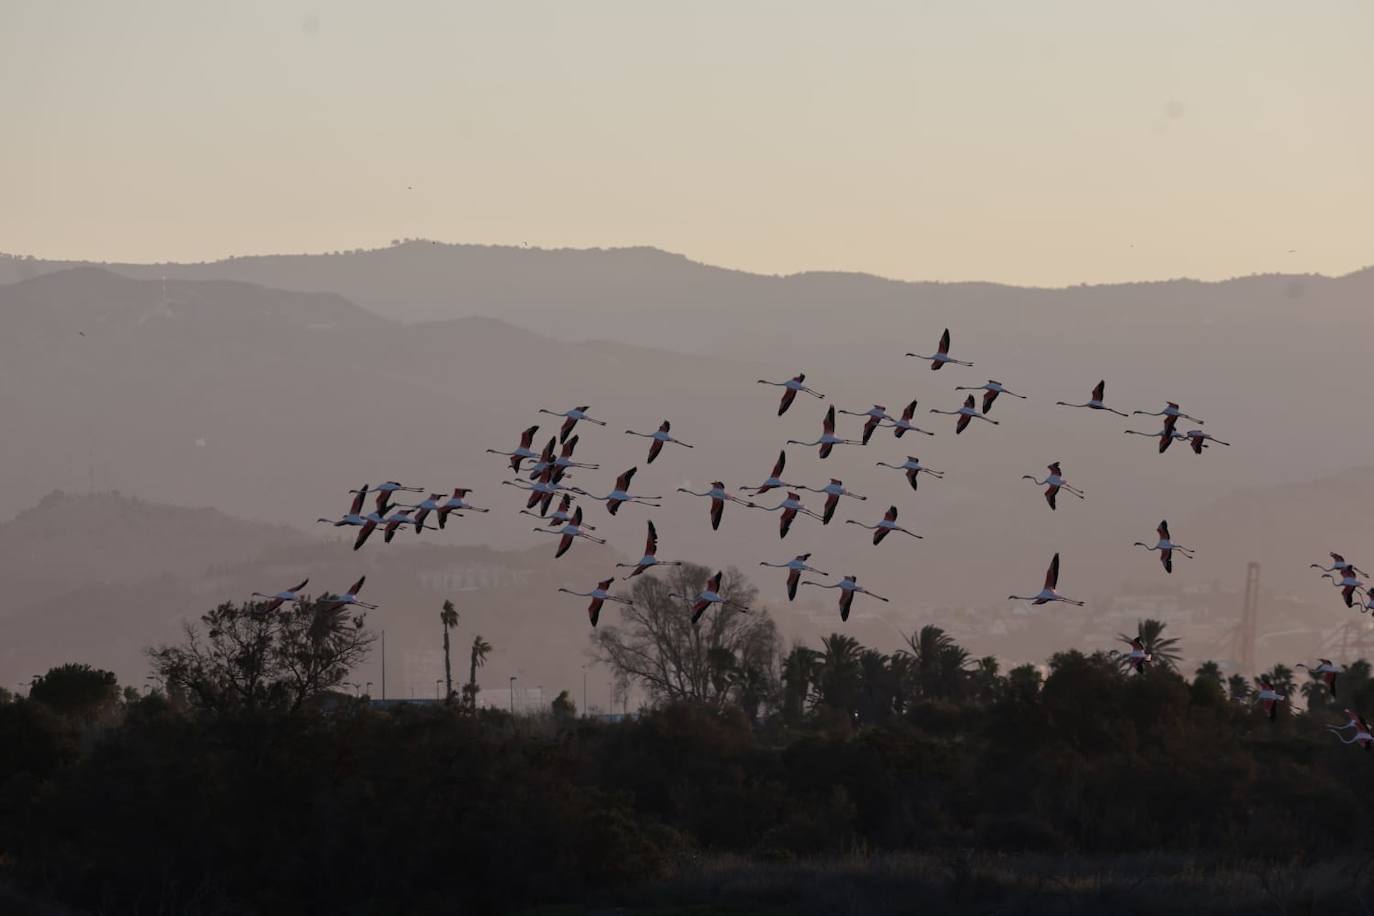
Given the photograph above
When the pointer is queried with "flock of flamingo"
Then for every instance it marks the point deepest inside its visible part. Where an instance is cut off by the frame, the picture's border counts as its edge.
(547, 474)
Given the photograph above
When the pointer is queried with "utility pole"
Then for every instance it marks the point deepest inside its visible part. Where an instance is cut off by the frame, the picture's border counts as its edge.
(1249, 621)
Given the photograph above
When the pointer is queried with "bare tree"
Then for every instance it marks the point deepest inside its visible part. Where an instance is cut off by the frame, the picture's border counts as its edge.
(247, 657)
(729, 657)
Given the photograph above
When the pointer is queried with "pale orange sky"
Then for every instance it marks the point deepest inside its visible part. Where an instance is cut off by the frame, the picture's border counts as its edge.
(1042, 143)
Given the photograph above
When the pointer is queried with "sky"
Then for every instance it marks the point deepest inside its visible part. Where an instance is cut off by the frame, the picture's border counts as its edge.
(1045, 143)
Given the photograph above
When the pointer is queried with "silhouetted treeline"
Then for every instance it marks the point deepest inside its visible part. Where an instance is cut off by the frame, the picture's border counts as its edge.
(127, 804)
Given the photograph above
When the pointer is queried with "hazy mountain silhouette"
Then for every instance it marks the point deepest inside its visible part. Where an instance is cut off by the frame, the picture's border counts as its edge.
(270, 405)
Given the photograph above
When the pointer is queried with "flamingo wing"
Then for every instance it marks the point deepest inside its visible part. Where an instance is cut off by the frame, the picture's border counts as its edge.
(944, 343)
(826, 449)
(831, 502)
(879, 535)
(654, 448)
(1099, 390)
(964, 420)
(793, 578)
(713, 585)
(1052, 574)
(358, 501)
(909, 412)
(788, 397)
(846, 602)
(779, 464)
(699, 608)
(363, 534)
(785, 522)
(594, 610)
(828, 424)
(566, 428)
(988, 398)
(564, 543)
(717, 508)
(295, 588)
(1163, 531)
(651, 542)
(911, 477)
(1051, 493)
(869, 425)
(1166, 557)
(356, 586)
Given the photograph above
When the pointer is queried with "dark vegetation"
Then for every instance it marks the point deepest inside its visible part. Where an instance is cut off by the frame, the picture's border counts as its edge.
(834, 779)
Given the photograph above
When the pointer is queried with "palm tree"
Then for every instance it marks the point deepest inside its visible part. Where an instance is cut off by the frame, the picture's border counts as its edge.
(937, 662)
(1209, 669)
(798, 677)
(1150, 632)
(449, 618)
(838, 676)
(480, 649)
(1239, 688)
(1281, 676)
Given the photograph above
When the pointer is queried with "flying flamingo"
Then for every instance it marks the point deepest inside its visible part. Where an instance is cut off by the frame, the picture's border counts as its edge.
(774, 479)
(569, 532)
(621, 494)
(560, 516)
(990, 392)
(571, 418)
(795, 567)
(353, 517)
(1138, 657)
(1362, 734)
(541, 491)
(790, 507)
(1053, 484)
(849, 587)
(965, 414)
(1048, 593)
(876, 415)
(903, 423)
(941, 356)
(659, 436)
(828, 439)
(650, 557)
(423, 509)
(599, 595)
(708, 596)
(833, 491)
(887, 524)
(1166, 436)
(396, 521)
(384, 492)
(521, 452)
(913, 468)
(718, 498)
(1348, 585)
(371, 521)
(1171, 411)
(560, 462)
(1269, 698)
(1166, 547)
(457, 503)
(1095, 402)
(793, 385)
(348, 598)
(1340, 564)
(1198, 440)
(292, 594)
(1327, 671)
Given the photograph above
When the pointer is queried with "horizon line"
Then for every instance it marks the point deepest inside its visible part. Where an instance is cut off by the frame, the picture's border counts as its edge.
(401, 243)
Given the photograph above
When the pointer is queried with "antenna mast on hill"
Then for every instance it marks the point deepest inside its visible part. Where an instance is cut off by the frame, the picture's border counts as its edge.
(1243, 640)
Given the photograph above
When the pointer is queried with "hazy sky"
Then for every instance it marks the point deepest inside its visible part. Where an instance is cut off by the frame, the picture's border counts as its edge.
(1043, 143)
